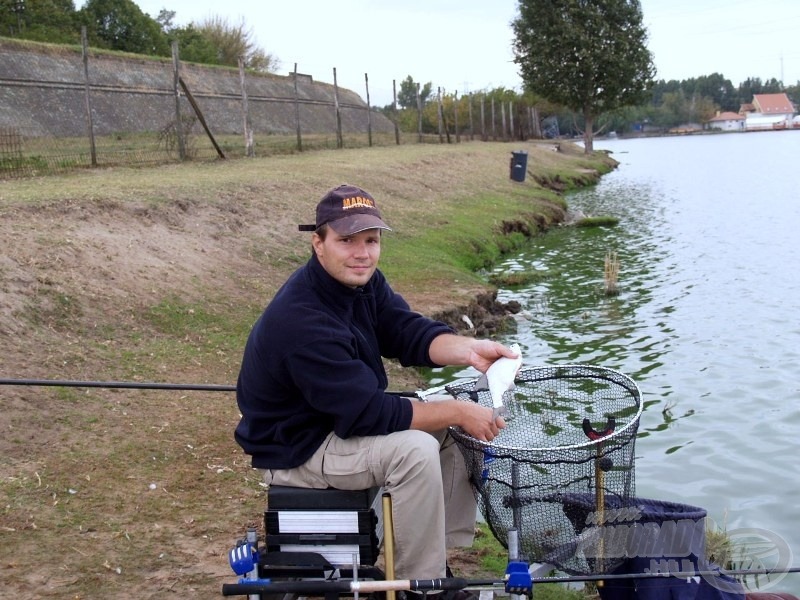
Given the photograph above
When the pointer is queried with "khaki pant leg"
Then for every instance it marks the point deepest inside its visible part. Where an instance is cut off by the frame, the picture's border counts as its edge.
(460, 505)
(433, 505)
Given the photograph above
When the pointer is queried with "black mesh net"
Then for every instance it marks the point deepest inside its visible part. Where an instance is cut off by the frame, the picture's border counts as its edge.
(563, 466)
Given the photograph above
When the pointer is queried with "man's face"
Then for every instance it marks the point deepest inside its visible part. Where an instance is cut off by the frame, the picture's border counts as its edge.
(350, 260)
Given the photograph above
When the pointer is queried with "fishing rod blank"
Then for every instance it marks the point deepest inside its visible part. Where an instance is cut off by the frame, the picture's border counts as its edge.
(197, 387)
(265, 586)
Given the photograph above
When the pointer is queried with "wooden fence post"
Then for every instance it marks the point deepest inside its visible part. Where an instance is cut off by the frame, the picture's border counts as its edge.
(369, 112)
(440, 114)
(200, 117)
(248, 130)
(89, 121)
(511, 119)
(339, 139)
(419, 116)
(178, 123)
(503, 120)
(471, 125)
(535, 125)
(483, 117)
(394, 109)
(494, 123)
(455, 116)
(297, 112)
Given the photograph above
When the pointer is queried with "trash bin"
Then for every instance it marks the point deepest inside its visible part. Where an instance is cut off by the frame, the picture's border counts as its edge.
(519, 165)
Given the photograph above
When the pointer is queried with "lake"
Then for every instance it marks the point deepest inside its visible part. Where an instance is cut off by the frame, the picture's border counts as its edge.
(705, 322)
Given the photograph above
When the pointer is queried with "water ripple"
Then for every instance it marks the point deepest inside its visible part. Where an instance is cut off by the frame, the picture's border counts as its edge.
(704, 322)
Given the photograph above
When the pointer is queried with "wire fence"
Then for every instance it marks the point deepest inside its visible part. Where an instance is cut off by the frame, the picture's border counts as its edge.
(64, 108)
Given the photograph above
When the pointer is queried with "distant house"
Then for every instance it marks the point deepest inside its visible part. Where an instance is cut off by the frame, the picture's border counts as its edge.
(727, 121)
(768, 111)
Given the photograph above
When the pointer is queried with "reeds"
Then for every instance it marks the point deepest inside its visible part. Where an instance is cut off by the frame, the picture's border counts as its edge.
(611, 273)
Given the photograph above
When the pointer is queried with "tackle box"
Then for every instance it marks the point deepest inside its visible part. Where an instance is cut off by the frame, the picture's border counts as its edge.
(338, 524)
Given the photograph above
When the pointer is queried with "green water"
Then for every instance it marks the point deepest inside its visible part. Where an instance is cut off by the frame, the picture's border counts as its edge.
(705, 322)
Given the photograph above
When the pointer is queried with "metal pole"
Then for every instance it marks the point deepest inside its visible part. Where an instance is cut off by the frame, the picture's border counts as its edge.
(308, 587)
(252, 539)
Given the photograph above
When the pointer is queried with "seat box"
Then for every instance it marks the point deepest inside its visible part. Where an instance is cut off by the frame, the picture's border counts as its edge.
(338, 524)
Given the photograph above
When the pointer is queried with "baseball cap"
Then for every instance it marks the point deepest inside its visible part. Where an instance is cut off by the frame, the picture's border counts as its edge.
(347, 209)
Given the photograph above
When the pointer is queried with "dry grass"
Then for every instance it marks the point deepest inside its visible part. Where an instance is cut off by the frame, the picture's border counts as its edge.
(611, 273)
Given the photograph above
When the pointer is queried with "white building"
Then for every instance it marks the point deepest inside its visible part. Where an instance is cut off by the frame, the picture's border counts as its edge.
(727, 121)
(768, 111)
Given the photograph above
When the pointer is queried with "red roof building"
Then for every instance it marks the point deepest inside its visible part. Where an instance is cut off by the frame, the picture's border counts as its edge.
(773, 104)
(768, 111)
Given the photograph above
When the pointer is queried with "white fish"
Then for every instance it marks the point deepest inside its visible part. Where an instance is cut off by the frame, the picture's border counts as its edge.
(499, 378)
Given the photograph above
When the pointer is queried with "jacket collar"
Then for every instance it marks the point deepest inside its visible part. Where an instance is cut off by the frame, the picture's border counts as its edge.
(332, 292)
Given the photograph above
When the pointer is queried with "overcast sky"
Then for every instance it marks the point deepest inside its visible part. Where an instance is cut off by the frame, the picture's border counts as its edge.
(465, 45)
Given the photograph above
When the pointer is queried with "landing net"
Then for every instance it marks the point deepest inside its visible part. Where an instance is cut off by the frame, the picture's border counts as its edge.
(563, 467)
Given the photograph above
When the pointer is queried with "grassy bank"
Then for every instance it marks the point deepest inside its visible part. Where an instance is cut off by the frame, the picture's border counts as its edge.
(157, 275)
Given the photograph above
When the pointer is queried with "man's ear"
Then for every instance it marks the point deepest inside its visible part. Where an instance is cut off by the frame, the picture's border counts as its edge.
(316, 243)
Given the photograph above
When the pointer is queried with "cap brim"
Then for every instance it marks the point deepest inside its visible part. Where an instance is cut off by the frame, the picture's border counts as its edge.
(353, 224)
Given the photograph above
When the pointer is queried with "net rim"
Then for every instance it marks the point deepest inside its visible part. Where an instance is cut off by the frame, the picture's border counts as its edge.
(460, 435)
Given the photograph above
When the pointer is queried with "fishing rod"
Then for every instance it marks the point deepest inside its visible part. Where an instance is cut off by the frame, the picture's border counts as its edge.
(523, 585)
(140, 385)
(198, 387)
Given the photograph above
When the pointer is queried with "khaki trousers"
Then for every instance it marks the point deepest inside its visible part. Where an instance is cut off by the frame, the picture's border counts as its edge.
(433, 505)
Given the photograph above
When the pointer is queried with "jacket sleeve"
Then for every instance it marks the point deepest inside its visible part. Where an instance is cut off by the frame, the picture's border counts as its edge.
(338, 384)
(403, 333)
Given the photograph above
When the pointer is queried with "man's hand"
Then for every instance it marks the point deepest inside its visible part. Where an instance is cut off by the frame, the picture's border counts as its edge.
(450, 349)
(478, 421)
(441, 412)
(485, 352)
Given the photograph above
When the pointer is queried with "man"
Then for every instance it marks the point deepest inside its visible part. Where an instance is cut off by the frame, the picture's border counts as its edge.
(312, 389)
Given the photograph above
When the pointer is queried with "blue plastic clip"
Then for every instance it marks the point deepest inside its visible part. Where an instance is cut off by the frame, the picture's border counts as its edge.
(518, 579)
(488, 459)
(243, 558)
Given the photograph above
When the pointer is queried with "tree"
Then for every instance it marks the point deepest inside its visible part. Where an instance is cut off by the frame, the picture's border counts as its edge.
(407, 96)
(165, 20)
(194, 46)
(588, 55)
(718, 89)
(793, 91)
(234, 41)
(40, 20)
(121, 25)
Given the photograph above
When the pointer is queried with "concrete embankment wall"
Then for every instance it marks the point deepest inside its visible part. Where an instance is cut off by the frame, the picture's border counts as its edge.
(43, 93)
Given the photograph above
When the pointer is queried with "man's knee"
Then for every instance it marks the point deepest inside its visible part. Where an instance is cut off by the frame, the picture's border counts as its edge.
(415, 449)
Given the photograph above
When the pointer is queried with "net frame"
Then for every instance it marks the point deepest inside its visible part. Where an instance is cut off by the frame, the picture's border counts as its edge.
(557, 488)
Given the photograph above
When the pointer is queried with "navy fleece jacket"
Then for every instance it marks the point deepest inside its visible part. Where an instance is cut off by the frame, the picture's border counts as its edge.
(312, 365)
